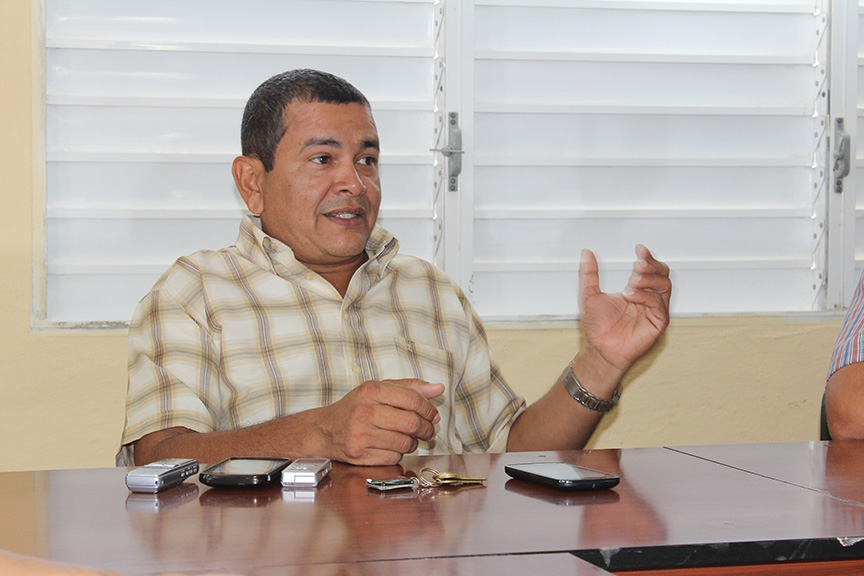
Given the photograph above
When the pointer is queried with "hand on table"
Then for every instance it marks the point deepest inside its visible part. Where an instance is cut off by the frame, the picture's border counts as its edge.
(379, 421)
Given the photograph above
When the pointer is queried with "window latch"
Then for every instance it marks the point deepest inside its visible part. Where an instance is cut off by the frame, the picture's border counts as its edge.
(453, 150)
(842, 154)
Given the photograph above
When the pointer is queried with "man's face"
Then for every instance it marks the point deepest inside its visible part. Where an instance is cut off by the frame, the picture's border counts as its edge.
(323, 194)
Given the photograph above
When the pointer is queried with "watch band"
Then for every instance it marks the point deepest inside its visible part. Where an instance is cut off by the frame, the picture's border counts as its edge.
(586, 398)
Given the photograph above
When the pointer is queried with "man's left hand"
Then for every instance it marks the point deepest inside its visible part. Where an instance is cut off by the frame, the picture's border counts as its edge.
(623, 327)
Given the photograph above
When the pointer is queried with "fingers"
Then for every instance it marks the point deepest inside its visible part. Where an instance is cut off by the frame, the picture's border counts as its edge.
(646, 263)
(649, 274)
(378, 457)
(394, 414)
(589, 278)
(379, 421)
(405, 399)
(377, 432)
(407, 423)
(649, 284)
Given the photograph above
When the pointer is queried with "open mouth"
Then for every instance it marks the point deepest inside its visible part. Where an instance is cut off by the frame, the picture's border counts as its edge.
(343, 215)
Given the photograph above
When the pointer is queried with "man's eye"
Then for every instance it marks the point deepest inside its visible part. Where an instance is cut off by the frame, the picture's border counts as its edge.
(321, 159)
(368, 160)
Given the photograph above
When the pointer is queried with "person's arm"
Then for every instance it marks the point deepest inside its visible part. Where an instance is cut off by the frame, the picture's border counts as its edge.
(618, 330)
(844, 402)
(374, 424)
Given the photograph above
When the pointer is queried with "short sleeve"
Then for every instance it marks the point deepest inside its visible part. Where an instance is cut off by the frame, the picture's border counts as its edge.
(849, 346)
(173, 368)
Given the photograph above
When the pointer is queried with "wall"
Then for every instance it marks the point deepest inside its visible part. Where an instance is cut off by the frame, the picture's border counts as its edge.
(709, 381)
(713, 380)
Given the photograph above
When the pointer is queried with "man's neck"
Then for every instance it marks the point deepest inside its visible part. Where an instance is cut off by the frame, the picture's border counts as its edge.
(339, 275)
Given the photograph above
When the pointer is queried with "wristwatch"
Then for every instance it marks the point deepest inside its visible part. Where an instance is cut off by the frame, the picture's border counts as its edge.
(586, 398)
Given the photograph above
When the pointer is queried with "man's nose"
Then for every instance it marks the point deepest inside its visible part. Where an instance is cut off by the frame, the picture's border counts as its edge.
(350, 181)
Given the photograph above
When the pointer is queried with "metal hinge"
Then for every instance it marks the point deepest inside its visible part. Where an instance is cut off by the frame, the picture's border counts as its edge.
(453, 151)
(842, 154)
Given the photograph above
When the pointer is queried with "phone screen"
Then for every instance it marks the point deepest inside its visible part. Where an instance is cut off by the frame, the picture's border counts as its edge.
(244, 471)
(246, 466)
(562, 475)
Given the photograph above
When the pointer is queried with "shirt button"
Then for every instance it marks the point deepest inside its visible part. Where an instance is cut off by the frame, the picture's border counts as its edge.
(309, 276)
(345, 315)
(355, 368)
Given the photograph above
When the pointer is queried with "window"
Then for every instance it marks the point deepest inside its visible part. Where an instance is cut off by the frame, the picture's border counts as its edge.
(144, 102)
(699, 129)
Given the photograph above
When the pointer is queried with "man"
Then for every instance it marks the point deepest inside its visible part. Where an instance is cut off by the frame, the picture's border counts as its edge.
(844, 392)
(312, 337)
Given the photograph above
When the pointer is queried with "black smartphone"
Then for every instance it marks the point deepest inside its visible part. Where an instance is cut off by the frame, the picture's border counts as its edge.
(562, 497)
(244, 472)
(562, 475)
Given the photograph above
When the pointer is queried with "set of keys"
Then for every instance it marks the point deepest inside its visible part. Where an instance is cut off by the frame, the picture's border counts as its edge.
(439, 479)
(428, 478)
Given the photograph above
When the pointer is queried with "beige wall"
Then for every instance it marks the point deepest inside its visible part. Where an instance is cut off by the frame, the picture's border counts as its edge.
(740, 379)
(710, 381)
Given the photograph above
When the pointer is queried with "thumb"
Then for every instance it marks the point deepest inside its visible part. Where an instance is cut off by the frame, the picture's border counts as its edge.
(426, 389)
(589, 277)
(429, 390)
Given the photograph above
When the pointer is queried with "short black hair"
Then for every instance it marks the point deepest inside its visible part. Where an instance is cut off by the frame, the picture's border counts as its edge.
(263, 126)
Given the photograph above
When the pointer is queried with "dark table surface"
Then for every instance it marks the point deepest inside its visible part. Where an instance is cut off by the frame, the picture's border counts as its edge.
(690, 506)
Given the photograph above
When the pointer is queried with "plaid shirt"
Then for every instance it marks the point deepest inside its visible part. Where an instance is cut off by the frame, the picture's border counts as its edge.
(849, 347)
(246, 334)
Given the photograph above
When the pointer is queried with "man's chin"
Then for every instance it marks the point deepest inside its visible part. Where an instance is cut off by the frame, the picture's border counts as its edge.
(347, 252)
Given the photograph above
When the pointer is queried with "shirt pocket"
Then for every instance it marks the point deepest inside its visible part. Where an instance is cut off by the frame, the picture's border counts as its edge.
(425, 362)
(436, 366)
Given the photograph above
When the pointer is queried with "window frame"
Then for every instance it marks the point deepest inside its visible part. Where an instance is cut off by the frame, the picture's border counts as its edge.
(456, 248)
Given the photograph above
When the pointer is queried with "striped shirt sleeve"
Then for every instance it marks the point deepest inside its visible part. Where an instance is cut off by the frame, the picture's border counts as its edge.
(849, 347)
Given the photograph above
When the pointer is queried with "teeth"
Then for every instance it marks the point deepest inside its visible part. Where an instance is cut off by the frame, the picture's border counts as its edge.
(343, 215)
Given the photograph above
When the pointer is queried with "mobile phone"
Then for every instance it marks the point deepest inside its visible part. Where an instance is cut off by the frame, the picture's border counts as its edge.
(562, 475)
(305, 472)
(160, 475)
(580, 498)
(238, 472)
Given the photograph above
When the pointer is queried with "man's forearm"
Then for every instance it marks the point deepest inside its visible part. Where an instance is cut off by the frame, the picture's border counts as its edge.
(550, 424)
(281, 438)
(374, 424)
(557, 421)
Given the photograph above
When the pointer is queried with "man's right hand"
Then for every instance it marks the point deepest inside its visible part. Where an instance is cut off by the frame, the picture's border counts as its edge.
(373, 425)
(378, 422)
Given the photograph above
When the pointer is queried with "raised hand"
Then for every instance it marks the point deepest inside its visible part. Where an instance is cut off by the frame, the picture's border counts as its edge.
(622, 327)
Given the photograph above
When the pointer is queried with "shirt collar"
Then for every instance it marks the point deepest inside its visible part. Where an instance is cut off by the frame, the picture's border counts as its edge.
(265, 250)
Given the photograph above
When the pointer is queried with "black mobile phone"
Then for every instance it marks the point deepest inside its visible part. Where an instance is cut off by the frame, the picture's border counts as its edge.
(244, 472)
(562, 497)
(562, 475)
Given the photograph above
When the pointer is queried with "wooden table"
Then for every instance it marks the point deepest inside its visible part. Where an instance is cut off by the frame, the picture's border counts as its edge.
(835, 468)
(512, 565)
(693, 508)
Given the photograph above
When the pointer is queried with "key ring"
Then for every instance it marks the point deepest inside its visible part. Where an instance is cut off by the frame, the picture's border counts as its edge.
(447, 479)
(425, 482)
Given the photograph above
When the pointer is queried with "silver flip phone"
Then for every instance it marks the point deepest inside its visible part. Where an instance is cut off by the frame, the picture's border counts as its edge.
(305, 472)
(160, 475)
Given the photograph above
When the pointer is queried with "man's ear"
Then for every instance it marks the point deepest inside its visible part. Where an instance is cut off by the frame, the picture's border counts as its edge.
(247, 173)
